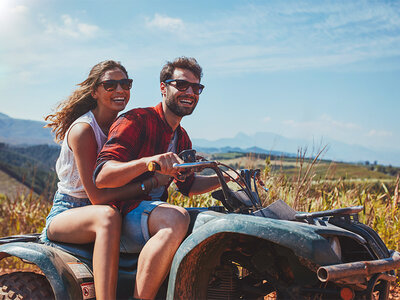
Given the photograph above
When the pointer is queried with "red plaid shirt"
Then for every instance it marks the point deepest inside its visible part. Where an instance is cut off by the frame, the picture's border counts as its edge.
(143, 132)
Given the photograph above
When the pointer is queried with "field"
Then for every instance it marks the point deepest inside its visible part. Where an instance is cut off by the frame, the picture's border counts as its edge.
(11, 186)
(305, 184)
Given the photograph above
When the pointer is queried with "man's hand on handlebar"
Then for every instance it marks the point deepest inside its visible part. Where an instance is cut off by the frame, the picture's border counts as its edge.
(164, 164)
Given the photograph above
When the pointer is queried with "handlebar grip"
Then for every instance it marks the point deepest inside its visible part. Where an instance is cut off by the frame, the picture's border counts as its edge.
(153, 166)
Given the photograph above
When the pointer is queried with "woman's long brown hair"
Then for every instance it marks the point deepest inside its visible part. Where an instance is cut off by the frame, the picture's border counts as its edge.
(80, 101)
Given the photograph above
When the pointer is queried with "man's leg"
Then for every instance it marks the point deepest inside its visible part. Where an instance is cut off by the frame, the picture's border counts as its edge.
(100, 224)
(168, 226)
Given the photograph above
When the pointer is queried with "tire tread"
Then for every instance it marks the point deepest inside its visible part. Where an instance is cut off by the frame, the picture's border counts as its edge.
(24, 285)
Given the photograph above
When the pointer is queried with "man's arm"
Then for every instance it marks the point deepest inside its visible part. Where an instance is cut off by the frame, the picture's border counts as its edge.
(115, 173)
(204, 184)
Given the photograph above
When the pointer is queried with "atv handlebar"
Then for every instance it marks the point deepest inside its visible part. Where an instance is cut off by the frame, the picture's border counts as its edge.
(197, 166)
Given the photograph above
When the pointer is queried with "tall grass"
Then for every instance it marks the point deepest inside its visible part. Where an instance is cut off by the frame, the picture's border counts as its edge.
(381, 200)
(21, 214)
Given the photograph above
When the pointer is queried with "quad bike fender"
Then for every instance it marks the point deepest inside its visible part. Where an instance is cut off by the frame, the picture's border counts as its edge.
(213, 232)
(63, 271)
(305, 240)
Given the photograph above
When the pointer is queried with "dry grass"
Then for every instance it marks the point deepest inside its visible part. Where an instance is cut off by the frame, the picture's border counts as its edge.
(26, 213)
(20, 214)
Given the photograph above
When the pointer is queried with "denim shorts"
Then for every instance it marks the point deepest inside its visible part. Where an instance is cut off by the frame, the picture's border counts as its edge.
(61, 203)
(135, 229)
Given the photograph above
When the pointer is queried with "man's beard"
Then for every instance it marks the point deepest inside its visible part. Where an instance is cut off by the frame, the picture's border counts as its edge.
(180, 111)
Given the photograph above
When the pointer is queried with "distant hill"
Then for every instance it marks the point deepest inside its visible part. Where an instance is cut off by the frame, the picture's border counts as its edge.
(266, 142)
(24, 132)
(33, 166)
(11, 187)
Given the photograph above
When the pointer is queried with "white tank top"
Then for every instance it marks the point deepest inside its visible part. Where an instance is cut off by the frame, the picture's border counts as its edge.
(70, 182)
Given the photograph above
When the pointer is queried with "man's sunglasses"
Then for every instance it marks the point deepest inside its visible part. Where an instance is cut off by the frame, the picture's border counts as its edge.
(111, 85)
(183, 85)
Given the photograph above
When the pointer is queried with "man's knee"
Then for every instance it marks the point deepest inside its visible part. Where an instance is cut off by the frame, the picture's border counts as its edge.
(169, 217)
(181, 218)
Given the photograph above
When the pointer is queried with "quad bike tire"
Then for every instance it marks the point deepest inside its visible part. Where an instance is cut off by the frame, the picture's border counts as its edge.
(25, 285)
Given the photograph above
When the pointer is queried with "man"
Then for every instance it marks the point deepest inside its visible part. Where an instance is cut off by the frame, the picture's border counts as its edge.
(138, 138)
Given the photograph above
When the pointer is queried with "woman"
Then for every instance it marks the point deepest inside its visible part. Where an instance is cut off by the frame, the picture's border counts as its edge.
(82, 123)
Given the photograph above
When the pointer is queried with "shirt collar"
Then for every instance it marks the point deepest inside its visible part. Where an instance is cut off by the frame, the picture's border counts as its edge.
(159, 110)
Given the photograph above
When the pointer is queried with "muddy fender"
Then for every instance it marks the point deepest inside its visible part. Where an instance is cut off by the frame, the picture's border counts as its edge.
(200, 250)
(64, 272)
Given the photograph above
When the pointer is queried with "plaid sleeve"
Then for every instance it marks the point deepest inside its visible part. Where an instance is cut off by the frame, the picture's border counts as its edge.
(121, 141)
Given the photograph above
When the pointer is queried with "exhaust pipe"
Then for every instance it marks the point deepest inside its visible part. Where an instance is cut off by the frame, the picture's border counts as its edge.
(363, 268)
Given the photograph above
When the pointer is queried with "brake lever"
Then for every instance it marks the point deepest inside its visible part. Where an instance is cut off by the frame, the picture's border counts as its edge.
(260, 182)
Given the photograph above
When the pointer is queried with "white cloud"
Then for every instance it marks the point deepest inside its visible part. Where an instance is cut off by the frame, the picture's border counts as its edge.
(324, 121)
(70, 27)
(323, 126)
(300, 36)
(329, 128)
(338, 124)
(266, 119)
(12, 17)
(165, 23)
(20, 9)
(379, 133)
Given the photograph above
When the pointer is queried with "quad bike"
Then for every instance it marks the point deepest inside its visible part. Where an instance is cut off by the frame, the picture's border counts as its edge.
(235, 251)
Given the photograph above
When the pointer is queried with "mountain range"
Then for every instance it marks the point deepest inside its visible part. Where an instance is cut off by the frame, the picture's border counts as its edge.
(28, 132)
(266, 142)
(24, 132)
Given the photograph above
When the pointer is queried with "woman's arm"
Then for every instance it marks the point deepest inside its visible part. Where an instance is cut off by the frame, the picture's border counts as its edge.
(82, 141)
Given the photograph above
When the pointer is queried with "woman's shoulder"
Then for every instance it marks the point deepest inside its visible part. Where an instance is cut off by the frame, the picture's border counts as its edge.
(81, 130)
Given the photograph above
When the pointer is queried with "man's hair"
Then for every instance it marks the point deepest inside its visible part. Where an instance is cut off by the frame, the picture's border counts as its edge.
(183, 62)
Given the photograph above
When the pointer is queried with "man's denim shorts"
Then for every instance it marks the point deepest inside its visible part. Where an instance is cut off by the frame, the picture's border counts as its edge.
(61, 203)
(135, 229)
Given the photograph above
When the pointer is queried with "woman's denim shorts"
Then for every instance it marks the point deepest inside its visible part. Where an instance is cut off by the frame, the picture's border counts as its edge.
(61, 203)
(135, 230)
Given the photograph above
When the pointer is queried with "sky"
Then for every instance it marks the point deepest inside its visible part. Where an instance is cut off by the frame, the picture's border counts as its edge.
(301, 69)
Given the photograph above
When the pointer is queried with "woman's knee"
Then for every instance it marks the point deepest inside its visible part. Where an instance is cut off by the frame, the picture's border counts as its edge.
(109, 218)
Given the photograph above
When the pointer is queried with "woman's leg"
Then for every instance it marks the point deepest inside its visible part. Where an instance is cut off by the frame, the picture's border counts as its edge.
(168, 226)
(100, 224)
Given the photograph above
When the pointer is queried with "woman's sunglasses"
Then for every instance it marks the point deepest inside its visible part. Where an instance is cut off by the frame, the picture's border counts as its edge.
(183, 85)
(111, 85)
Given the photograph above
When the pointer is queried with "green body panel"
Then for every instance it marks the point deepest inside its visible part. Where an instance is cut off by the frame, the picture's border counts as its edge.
(302, 239)
(52, 262)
